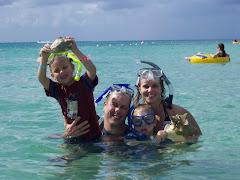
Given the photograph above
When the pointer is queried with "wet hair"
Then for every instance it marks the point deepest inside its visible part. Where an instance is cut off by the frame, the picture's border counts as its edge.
(221, 46)
(143, 107)
(115, 92)
(138, 96)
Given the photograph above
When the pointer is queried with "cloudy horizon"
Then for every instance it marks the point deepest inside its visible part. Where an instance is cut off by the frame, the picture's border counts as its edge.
(111, 20)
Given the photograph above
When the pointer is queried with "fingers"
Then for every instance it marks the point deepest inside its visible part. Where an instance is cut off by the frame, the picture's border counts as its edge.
(76, 121)
(84, 132)
(74, 130)
(192, 138)
(45, 49)
(82, 124)
(70, 39)
(83, 127)
(162, 133)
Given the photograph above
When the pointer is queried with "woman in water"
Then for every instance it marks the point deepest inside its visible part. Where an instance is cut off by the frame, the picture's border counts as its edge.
(220, 53)
(151, 90)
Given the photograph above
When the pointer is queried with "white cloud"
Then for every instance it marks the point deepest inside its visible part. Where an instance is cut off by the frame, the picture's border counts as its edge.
(116, 20)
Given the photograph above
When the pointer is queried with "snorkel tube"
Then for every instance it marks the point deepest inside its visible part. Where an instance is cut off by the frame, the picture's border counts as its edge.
(167, 99)
(79, 69)
(76, 60)
(165, 79)
(136, 133)
(107, 91)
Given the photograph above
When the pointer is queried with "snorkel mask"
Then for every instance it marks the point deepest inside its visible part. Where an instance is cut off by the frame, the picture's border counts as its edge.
(149, 74)
(69, 55)
(130, 124)
(145, 74)
(156, 73)
(119, 88)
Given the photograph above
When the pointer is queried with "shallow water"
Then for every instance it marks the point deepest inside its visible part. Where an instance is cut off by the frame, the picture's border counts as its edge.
(209, 91)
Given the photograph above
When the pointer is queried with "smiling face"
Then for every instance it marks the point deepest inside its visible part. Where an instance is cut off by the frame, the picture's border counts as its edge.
(150, 91)
(145, 128)
(116, 109)
(62, 70)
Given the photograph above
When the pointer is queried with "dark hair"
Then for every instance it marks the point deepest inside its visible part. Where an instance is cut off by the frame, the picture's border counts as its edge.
(221, 46)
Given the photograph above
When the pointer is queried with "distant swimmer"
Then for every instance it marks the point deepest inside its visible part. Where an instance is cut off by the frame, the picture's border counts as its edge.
(220, 53)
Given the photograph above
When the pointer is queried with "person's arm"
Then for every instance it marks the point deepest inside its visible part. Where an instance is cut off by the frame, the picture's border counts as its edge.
(88, 64)
(73, 130)
(215, 55)
(42, 70)
(193, 122)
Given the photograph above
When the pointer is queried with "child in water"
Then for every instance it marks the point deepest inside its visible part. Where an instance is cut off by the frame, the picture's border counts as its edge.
(75, 97)
(144, 122)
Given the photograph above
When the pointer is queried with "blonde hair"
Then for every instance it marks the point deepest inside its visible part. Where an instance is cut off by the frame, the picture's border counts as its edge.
(56, 56)
(137, 98)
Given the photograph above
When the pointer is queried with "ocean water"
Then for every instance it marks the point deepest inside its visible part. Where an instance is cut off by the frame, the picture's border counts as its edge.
(209, 91)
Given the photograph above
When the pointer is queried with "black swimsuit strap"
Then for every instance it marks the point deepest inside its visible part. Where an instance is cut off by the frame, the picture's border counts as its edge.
(166, 114)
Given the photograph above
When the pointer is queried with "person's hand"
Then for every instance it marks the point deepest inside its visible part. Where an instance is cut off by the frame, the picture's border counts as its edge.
(161, 136)
(71, 130)
(72, 45)
(192, 138)
(44, 53)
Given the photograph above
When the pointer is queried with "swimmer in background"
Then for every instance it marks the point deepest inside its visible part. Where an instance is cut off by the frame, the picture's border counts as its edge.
(220, 53)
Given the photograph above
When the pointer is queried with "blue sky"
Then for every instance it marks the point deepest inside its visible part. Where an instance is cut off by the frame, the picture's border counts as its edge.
(109, 20)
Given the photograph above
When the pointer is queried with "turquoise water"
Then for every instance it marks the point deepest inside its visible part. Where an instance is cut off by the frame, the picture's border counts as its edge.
(209, 91)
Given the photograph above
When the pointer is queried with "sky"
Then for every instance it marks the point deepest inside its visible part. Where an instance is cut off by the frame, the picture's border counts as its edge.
(112, 20)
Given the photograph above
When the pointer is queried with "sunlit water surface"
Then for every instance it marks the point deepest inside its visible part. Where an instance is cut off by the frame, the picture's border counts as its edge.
(209, 91)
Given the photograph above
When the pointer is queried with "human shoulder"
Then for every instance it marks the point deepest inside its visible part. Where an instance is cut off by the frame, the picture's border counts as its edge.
(176, 109)
(217, 54)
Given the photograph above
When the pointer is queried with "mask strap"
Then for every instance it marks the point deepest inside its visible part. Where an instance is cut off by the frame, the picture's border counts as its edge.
(136, 133)
(165, 79)
(76, 60)
(79, 69)
(103, 95)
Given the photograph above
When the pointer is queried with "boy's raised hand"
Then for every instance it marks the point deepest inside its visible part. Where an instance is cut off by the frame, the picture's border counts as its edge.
(72, 45)
(45, 52)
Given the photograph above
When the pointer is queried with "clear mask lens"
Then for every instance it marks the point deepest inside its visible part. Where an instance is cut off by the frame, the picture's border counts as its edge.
(148, 119)
(122, 89)
(148, 74)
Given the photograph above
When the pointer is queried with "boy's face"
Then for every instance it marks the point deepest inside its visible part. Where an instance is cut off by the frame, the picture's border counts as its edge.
(144, 128)
(62, 70)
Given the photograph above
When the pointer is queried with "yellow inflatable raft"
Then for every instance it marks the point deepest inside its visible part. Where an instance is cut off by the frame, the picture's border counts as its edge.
(236, 42)
(206, 58)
